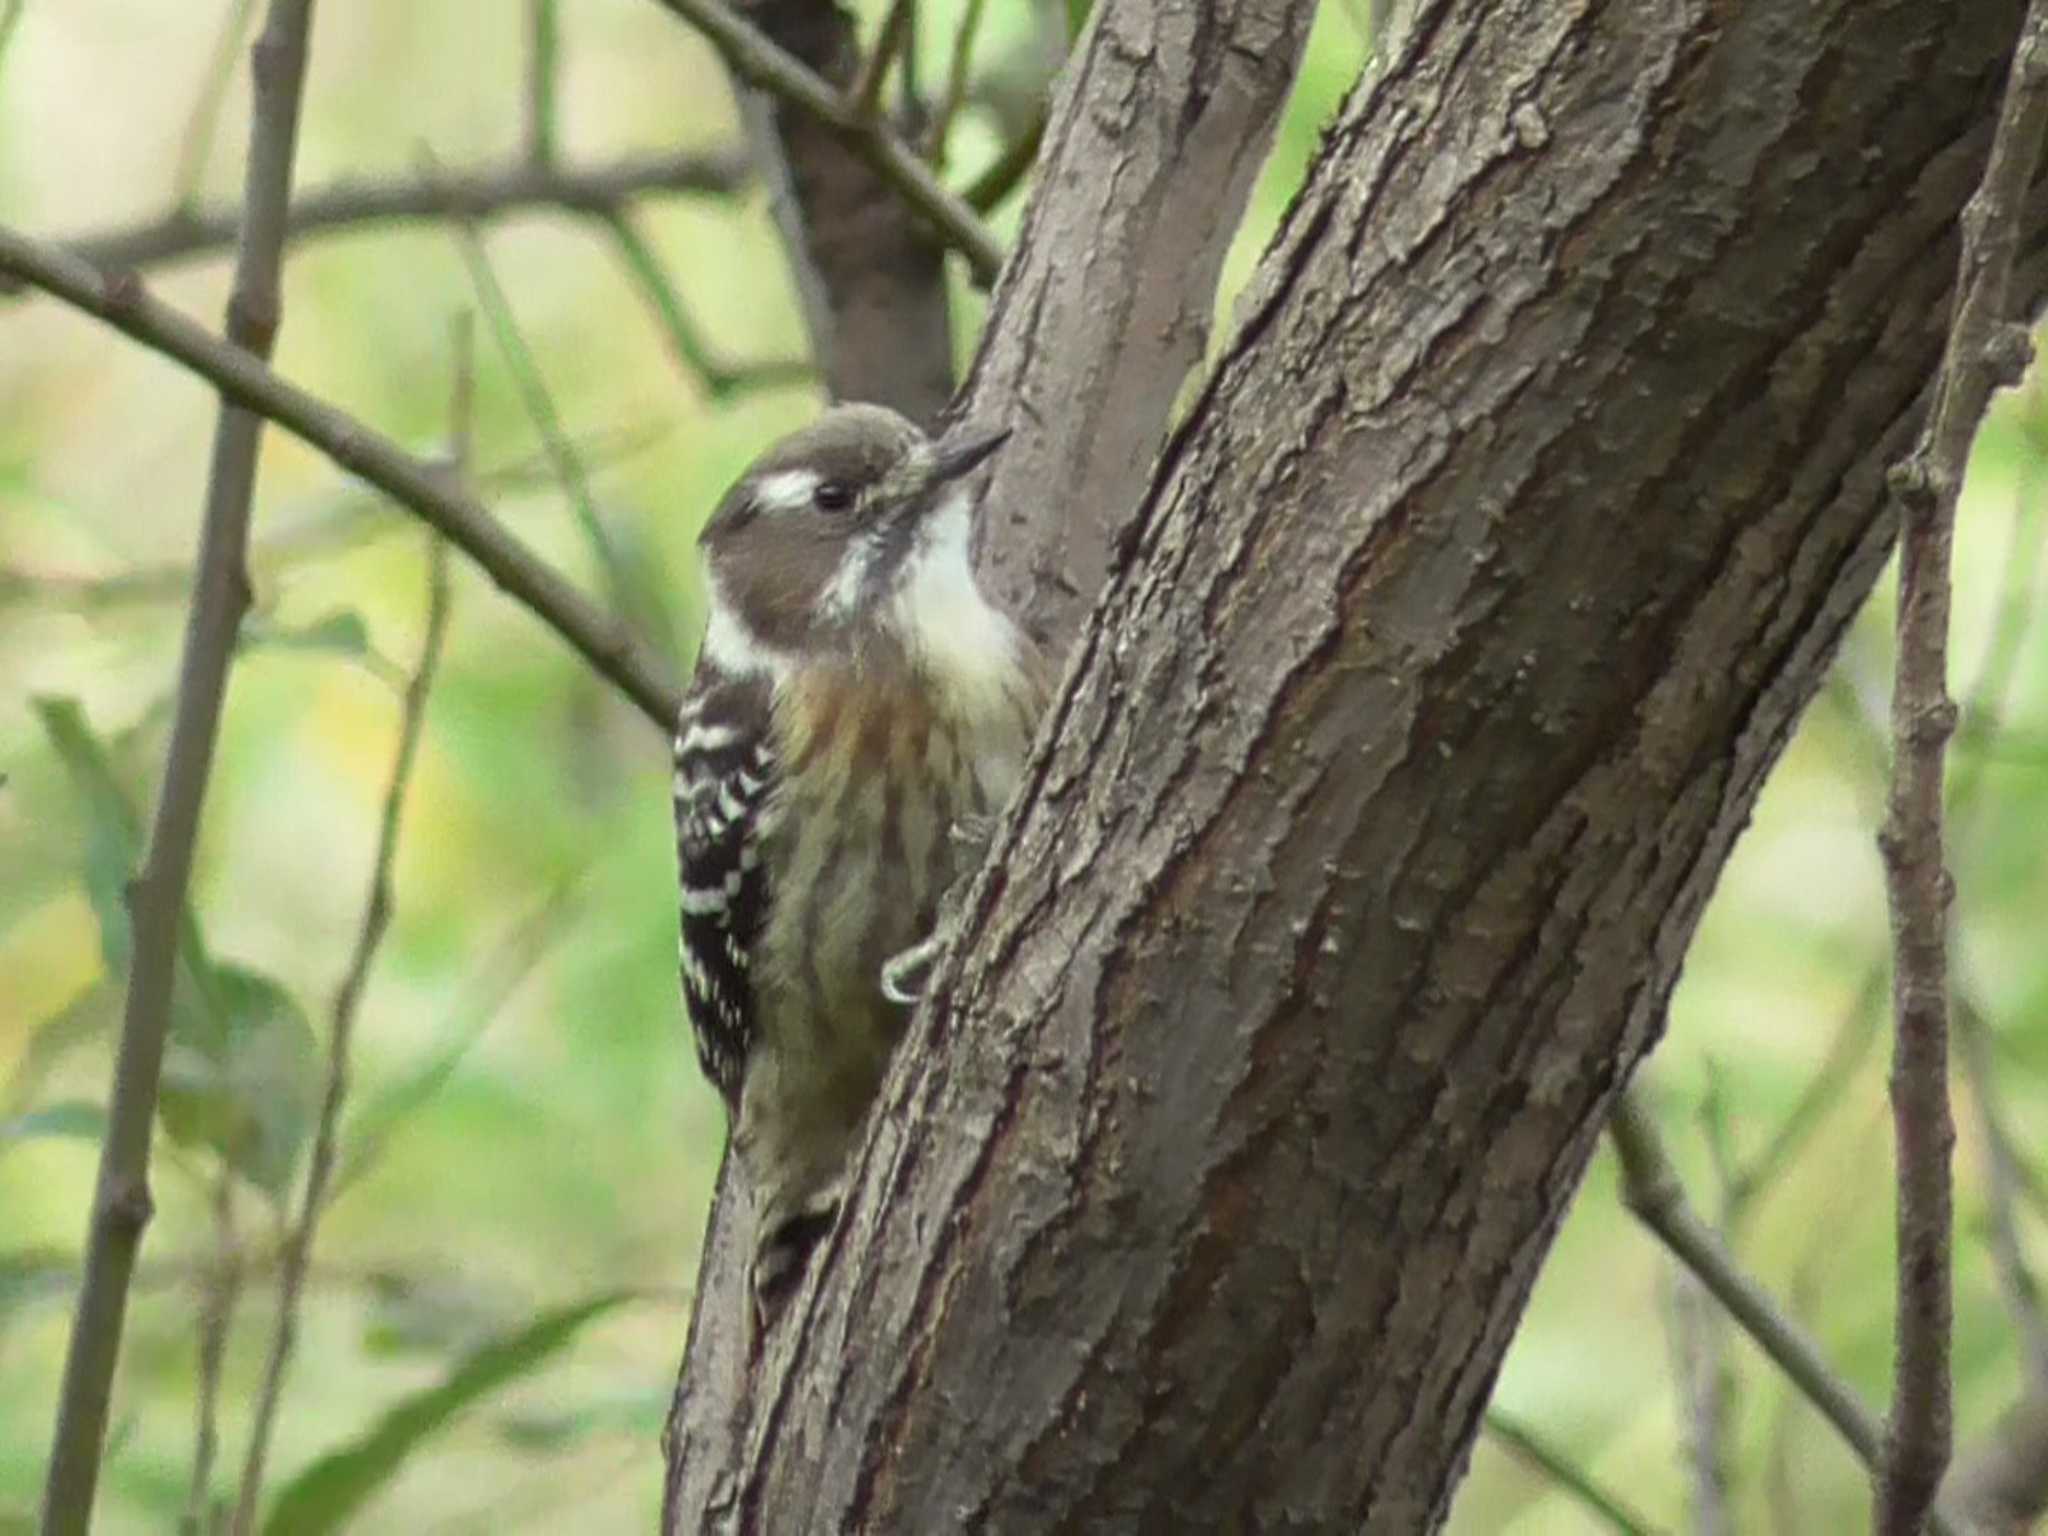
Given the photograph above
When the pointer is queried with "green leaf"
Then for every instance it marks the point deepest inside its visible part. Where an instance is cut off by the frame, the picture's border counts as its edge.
(30, 1275)
(113, 828)
(86, 1017)
(324, 1496)
(249, 1088)
(75, 1117)
(341, 633)
(113, 854)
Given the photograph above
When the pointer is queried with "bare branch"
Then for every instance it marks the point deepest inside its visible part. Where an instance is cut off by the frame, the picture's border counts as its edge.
(121, 1199)
(869, 274)
(865, 93)
(720, 379)
(2002, 1178)
(956, 88)
(124, 304)
(1007, 169)
(298, 1248)
(1606, 1507)
(534, 395)
(756, 60)
(482, 192)
(1702, 1378)
(1984, 349)
(1650, 1189)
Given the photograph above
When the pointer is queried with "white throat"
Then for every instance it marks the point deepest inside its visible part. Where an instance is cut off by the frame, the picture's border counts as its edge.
(956, 635)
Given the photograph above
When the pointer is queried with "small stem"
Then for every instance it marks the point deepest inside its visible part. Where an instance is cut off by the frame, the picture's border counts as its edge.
(1650, 1189)
(1984, 349)
(220, 1282)
(956, 86)
(121, 1199)
(297, 1252)
(866, 92)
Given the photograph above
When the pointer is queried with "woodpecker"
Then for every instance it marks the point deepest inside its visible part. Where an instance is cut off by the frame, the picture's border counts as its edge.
(856, 700)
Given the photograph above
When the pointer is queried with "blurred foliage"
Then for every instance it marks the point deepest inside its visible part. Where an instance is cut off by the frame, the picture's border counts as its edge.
(528, 1141)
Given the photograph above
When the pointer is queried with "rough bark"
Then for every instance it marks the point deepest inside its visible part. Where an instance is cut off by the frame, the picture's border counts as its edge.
(870, 277)
(1442, 664)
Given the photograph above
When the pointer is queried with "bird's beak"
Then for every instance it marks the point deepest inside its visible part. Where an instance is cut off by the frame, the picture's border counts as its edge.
(963, 451)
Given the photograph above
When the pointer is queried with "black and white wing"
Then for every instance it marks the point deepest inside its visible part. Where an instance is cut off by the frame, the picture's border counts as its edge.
(725, 778)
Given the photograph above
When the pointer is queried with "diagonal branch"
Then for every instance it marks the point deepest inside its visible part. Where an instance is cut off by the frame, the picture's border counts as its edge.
(1983, 350)
(123, 303)
(1650, 1189)
(756, 60)
(121, 1200)
(479, 192)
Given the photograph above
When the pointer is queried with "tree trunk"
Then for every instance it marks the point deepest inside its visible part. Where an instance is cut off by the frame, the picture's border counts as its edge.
(1439, 670)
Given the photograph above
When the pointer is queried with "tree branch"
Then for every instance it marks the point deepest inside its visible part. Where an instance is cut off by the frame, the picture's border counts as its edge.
(123, 303)
(869, 274)
(482, 192)
(1650, 1188)
(759, 62)
(121, 1198)
(1107, 306)
(720, 379)
(1984, 349)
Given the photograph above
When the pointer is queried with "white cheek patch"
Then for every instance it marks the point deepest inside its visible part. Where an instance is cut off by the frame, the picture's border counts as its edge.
(732, 646)
(786, 490)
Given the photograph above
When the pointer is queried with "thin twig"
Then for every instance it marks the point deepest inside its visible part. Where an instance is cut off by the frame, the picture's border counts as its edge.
(124, 304)
(2001, 1176)
(956, 84)
(719, 378)
(569, 471)
(1007, 169)
(196, 147)
(476, 192)
(1651, 1190)
(756, 60)
(543, 73)
(512, 961)
(1699, 1354)
(1561, 1470)
(121, 1198)
(1984, 350)
(866, 91)
(220, 1281)
(298, 1248)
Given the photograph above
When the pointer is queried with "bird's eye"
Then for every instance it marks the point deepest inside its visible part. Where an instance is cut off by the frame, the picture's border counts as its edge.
(833, 496)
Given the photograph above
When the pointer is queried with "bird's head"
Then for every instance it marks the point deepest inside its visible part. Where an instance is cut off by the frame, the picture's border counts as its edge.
(825, 526)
